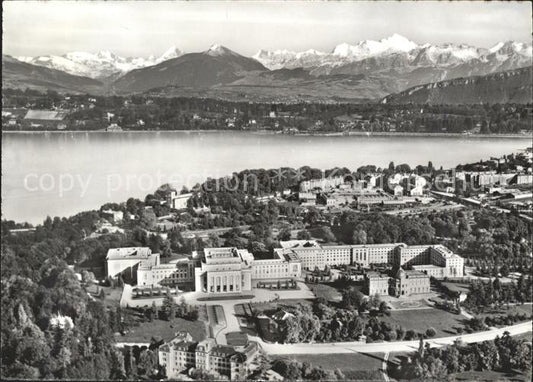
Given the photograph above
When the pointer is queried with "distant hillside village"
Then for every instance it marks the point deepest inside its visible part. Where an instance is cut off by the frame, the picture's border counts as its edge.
(31, 110)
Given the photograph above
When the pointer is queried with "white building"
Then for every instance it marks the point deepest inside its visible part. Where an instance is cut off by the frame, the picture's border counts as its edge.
(324, 183)
(183, 353)
(179, 201)
(434, 260)
(127, 260)
(179, 272)
(232, 270)
(114, 216)
(224, 270)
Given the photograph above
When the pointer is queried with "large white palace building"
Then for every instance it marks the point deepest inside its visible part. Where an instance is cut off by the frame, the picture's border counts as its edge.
(232, 270)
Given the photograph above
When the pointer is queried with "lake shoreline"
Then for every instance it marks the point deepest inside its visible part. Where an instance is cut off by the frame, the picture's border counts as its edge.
(303, 134)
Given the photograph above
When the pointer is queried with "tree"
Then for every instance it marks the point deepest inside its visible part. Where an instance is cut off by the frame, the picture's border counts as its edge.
(168, 309)
(284, 234)
(384, 308)
(147, 363)
(375, 301)
(326, 234)
(303, 235)
(118, 370)
(430, 332)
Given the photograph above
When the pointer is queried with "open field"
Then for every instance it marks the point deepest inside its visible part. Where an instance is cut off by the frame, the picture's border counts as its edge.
(358, 366)
(420, 320)
(488, 376)
(325, 291)
(165, 330)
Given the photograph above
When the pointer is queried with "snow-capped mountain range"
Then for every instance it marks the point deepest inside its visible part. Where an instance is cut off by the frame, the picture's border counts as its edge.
(101, 65)
(394, 48)
(365, 56)
(361, 71)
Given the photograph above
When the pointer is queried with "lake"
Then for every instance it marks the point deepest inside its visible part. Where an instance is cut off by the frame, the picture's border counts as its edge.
(59, 174)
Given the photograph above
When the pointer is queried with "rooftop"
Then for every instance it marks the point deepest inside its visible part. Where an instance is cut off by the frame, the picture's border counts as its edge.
(376, 275)
(49, 115)
(298, 244)
(128, 253)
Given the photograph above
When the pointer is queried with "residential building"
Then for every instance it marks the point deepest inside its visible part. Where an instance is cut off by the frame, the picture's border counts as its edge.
(182, 353)
(113, 128)
(398, 190)
(113, 216)
(178, 201)
(46, 119)
(323, 183)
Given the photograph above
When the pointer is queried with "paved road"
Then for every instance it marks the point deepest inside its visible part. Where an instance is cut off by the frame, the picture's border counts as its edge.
(385, 347)
(384, 367)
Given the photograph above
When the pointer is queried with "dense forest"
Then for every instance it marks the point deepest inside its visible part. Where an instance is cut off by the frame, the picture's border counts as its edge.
(504, 354)
(157, 113)
(50, 327)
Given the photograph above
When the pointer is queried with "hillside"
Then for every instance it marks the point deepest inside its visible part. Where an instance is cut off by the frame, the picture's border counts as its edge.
(21, 75)
(218, 65)
(511, 86)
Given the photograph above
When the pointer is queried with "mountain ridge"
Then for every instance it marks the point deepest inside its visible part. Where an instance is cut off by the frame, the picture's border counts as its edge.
(102, 65)
(17, 74)
(217, 65)
(511, 86)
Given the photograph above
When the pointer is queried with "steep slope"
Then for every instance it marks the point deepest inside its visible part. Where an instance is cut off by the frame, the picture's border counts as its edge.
(512, 86)
(218, 65)
(101, 65)
(20, 75)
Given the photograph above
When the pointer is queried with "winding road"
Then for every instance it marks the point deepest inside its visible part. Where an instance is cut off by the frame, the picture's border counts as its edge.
(387, 347)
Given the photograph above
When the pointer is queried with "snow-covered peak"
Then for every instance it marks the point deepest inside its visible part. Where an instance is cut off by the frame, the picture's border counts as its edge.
(106, 55)
(218, 50)
(511, 47)
(99, 65)
(496, 47)
(370, 48)
(169, 54)
(398, 43)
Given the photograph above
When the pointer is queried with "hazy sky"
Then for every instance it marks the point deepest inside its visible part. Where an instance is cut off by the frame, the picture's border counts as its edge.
(142, 28)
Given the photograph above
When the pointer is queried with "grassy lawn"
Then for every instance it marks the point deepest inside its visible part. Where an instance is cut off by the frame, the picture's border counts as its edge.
(488, 376)
(273, 305)
(406, 304)
(513, 309)
(457, 287)
(236, 339)
(524, 336)
(420, 320)
(112, 295)
(325, 291)
(354, 366)
(164, 329)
